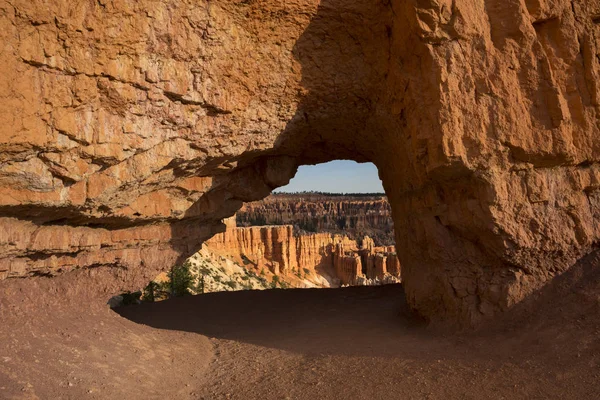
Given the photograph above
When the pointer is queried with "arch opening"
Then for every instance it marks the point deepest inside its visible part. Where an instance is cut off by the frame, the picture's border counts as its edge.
(331, 226)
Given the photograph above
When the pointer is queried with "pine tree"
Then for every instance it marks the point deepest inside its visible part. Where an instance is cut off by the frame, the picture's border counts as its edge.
(181, 281)
(150, 292)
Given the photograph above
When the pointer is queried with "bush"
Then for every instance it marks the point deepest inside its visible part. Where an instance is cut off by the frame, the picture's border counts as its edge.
(204, 270)
(232, 284)
(200, 287)
(181, 281)
(151, 291)
(275, 282)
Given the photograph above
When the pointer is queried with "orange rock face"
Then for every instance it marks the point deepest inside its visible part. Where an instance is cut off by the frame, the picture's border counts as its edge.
(135, 127)
(277, 248)
(265, 247)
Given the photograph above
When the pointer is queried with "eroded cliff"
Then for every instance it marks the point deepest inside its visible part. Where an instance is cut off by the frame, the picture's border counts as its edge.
(354, 215)
(301, 259)
(130, 129)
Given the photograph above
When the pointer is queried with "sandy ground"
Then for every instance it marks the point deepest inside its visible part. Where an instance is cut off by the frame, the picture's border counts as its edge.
(351, 343)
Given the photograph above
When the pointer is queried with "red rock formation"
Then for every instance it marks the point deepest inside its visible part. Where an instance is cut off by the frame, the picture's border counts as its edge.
(278, 249)
(481, 116)
(380, 265)
(393, 264)
(315, 252)
(29, 249)
(348, 265)
(268, 246)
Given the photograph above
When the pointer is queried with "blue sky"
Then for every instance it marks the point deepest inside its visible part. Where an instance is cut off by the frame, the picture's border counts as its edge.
(340, 176)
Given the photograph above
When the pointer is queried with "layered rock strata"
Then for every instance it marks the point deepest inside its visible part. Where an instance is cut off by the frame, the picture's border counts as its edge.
(355, 215)
(481, 115)
(336, 258)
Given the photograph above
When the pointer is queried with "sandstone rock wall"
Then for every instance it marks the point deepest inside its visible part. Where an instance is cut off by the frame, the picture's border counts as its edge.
(31, 250)
(117, 115)
(121, 117)
(315, 252)
(509, 192)
(280, 250)
(265, 246)
(348, 267)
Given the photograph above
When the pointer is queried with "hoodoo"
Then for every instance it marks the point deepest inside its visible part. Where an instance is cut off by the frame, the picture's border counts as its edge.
(131, 129)
(326, 260)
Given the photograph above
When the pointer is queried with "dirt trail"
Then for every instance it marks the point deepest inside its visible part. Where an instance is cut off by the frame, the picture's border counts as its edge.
(352, 343)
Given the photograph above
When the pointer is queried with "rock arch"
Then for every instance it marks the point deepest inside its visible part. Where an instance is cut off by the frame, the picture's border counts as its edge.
(131, 129)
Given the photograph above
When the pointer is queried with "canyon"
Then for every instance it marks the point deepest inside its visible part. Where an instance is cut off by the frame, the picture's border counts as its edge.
(289, 240)
(355, 215)
(306, 260)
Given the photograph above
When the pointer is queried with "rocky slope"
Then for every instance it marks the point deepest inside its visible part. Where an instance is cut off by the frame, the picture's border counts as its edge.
(355, 216)
(130, 129)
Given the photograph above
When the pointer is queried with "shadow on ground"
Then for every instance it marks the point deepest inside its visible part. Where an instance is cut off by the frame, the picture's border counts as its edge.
(555, 322)
(365, 321)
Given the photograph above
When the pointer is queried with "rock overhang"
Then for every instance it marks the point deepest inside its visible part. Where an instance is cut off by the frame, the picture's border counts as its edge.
(130, 131)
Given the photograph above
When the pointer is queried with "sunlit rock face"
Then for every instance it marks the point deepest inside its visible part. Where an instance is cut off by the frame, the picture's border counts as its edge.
(130, 129)
(317, 259)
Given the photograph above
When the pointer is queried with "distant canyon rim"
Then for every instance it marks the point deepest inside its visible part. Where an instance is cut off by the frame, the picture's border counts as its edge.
(130, 130)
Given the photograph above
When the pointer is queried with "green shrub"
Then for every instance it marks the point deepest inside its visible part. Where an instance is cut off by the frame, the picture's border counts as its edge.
(200, 287)
(284, 285)
(275, 282)
(151, 292)
(204, 270)
(181, 281)
(231, 284)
